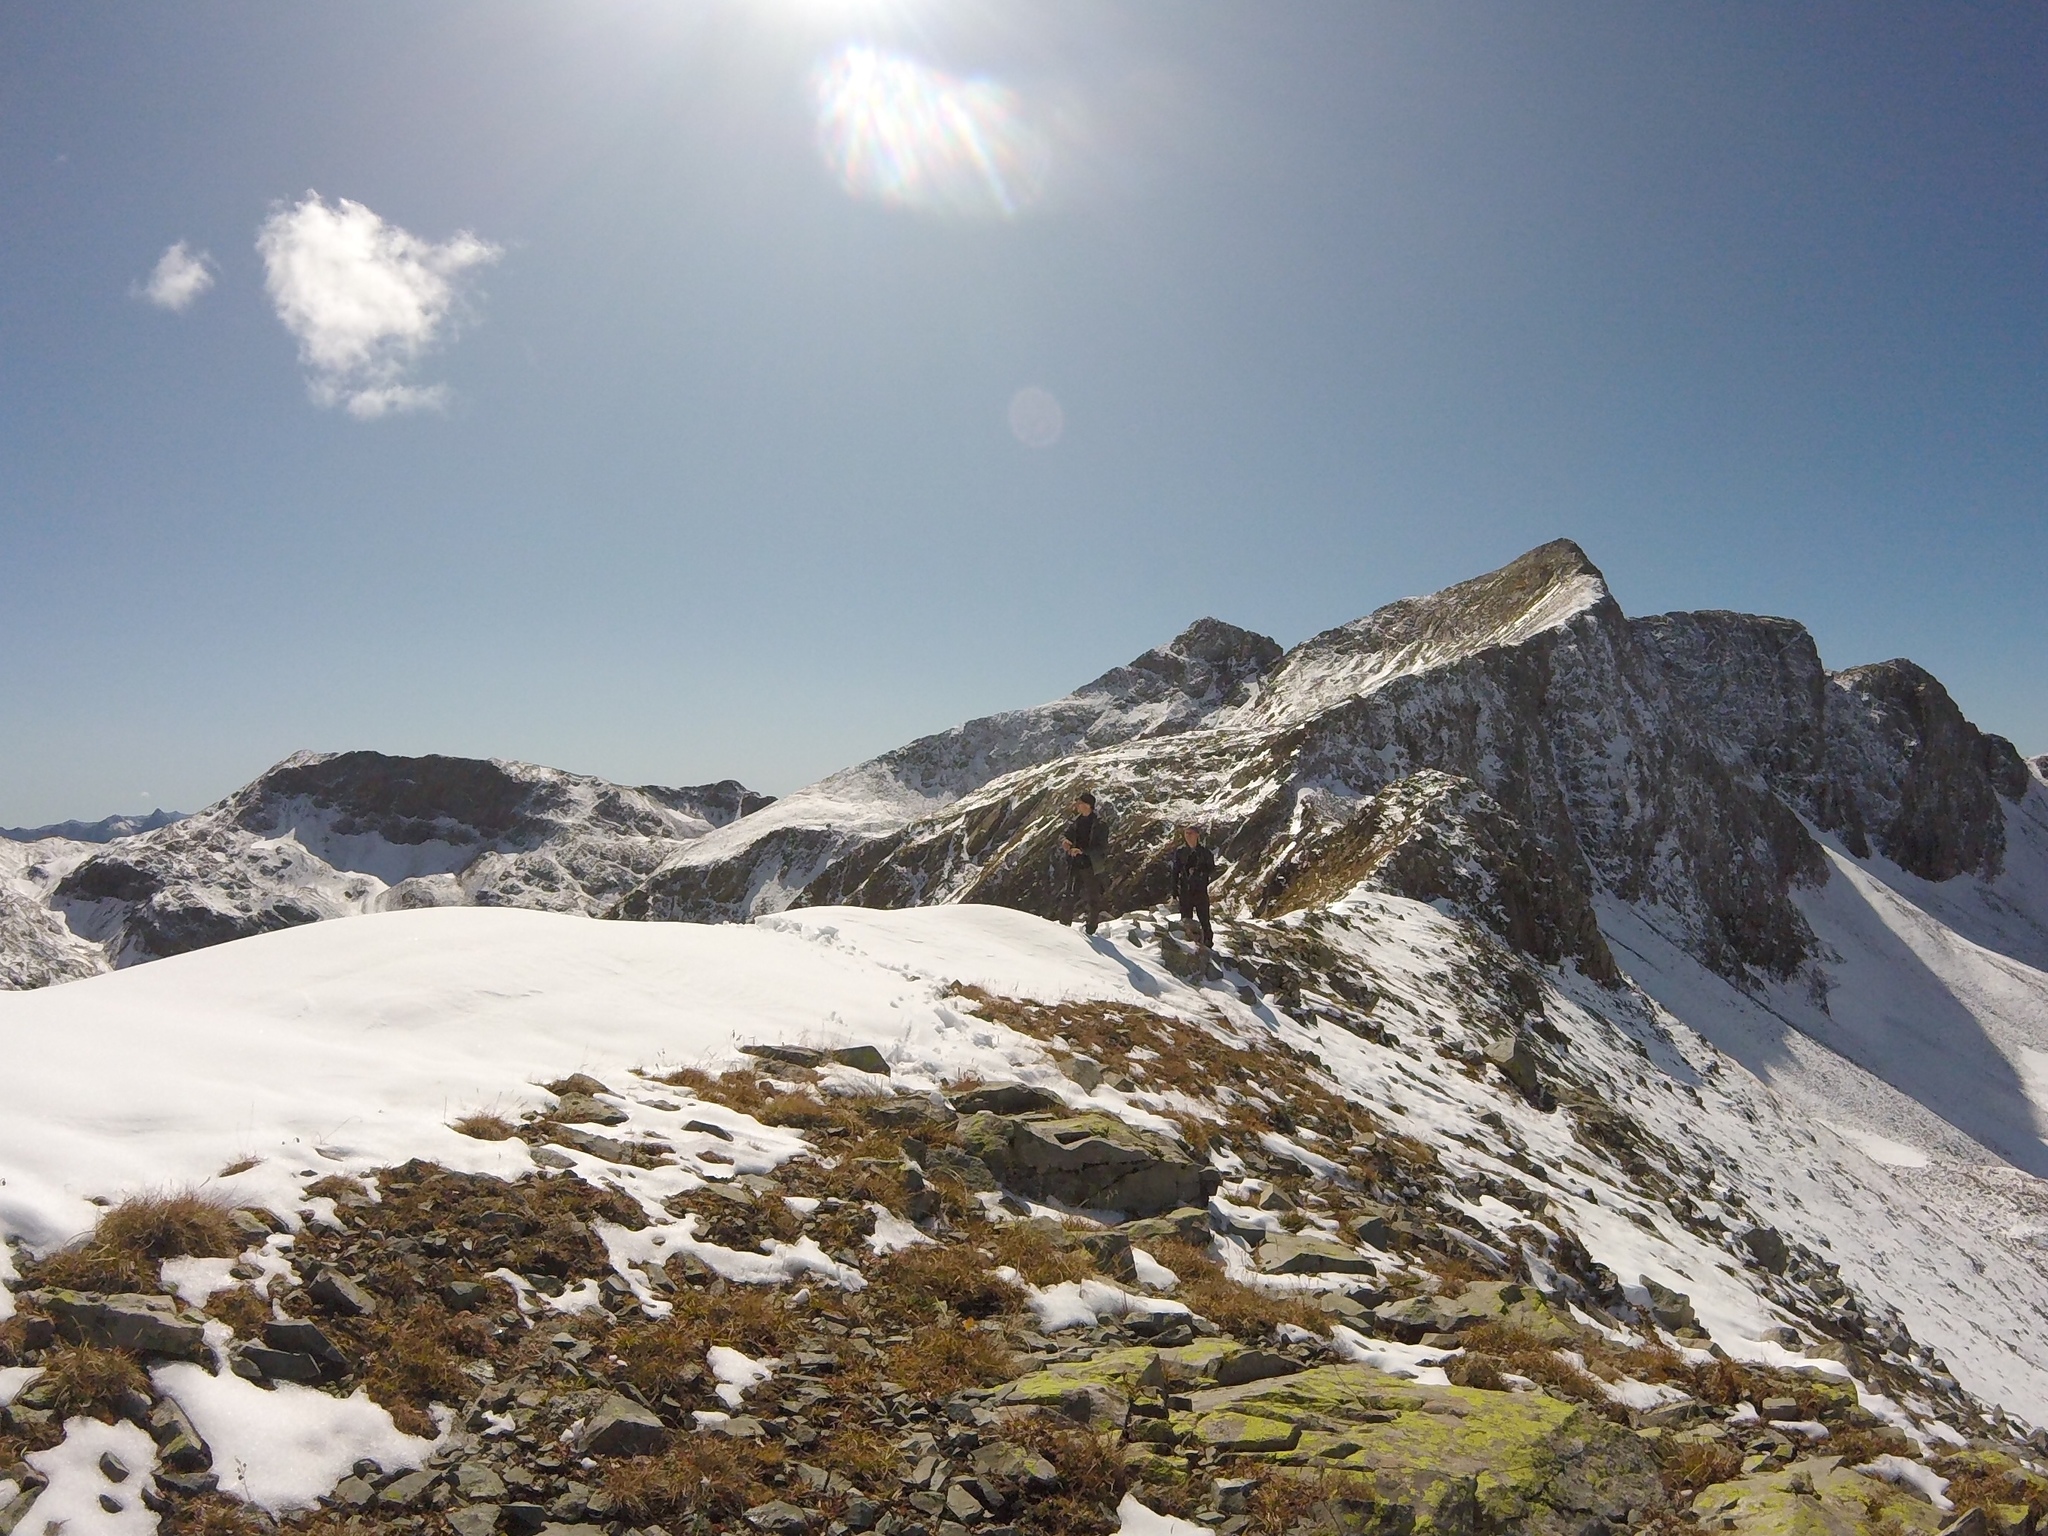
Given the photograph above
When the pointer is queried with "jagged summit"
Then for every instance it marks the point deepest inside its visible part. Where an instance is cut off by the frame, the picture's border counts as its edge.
(1541, 590)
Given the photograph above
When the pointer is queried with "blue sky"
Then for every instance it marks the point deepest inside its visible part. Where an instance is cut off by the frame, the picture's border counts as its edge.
(697, 459)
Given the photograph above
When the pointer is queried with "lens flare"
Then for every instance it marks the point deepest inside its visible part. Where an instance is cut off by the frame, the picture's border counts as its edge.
(1036, 419)
(898, 132)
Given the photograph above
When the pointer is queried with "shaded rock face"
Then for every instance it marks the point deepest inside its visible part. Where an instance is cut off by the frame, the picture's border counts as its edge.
(1879, 754)
(1920, 781)
(768, 864)
(1436, 837)
(328, 836)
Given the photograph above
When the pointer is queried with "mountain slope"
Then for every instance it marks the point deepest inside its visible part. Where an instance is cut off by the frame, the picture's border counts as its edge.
(1494, 1196)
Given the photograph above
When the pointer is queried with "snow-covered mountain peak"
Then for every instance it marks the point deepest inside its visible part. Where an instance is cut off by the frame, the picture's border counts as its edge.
(1543, 590)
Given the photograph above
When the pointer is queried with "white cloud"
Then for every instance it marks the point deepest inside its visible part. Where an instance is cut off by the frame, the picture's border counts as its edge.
(179, 277)
(366, 300)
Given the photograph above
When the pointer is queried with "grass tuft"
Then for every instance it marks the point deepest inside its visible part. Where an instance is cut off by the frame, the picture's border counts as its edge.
(485, 1125)
(133, 1239)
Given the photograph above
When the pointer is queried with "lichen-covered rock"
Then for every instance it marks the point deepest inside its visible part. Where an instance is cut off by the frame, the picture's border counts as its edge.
(1507, 1459)
(1092, 1161)
(1484, 1301)
(1814, 1498)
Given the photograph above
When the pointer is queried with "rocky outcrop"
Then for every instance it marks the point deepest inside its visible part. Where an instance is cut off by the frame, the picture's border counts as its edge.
(1087, 1161)
(36, 949)
(1914, 780)
(323, 836)
(1438, 838)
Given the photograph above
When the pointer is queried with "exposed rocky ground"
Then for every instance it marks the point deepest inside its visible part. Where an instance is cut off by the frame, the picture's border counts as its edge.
(322, 836)
(1186, 1266)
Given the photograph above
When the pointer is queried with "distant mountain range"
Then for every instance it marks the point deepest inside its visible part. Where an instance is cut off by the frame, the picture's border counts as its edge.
(105, 830)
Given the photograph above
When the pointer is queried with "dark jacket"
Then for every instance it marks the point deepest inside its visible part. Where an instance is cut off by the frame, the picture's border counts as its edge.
(1193, 869)
(1081, 833)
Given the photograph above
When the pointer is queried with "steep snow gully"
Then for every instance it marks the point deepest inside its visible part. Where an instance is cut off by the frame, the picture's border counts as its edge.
(1675, 953)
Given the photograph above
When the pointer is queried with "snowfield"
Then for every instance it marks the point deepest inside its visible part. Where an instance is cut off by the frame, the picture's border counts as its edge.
(351, 1046)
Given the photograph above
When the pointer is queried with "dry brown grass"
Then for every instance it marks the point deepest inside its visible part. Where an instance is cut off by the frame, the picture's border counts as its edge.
(1192, 1060)
(485, 1125)
(1695, 1464)
(1041, 1255)
(737, 1089)
(705, 1475)
(1976, 1482)
(1093, 1478)
(216, 1514)
(1242, 1311)
(240, 1308)
(1289, 1501)
(937, 1362)
(1529, 1354)
(666, 1356)
(1856, 1446)
(857, 1452)
(133, 1239)
(84, 1379)
(415, 1360)
(905, 1289)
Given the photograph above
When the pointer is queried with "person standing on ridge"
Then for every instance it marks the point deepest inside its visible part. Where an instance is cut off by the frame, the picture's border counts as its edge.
(1194, 866)
(1080, 842)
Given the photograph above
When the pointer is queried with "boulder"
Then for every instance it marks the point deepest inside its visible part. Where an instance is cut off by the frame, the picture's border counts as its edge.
(474, 1520)
(1766, 1248)
(1189, 1224)
(1007, 1099)
(621, 1427)
(779, 1518)
(338, 1293)
(787, 1055)
(862, 1058)
(1670, 1310)
(148, 1325)
(1295, 1253)
(582, 1109)
(1438, 1458)
(1484, 1301)
(1089, 1161)
(1815, 1498)
(1518, 1064)
(296, 1336)
(178, 1445)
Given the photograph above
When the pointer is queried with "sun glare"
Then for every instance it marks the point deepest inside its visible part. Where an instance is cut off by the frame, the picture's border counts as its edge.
(899, 132)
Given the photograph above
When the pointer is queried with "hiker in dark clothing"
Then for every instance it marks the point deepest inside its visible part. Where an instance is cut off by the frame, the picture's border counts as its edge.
(1194, 866)
(1079, 842)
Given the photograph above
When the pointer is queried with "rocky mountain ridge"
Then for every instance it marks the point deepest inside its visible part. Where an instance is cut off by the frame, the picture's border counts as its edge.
(1681, 764)
(337, 834)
